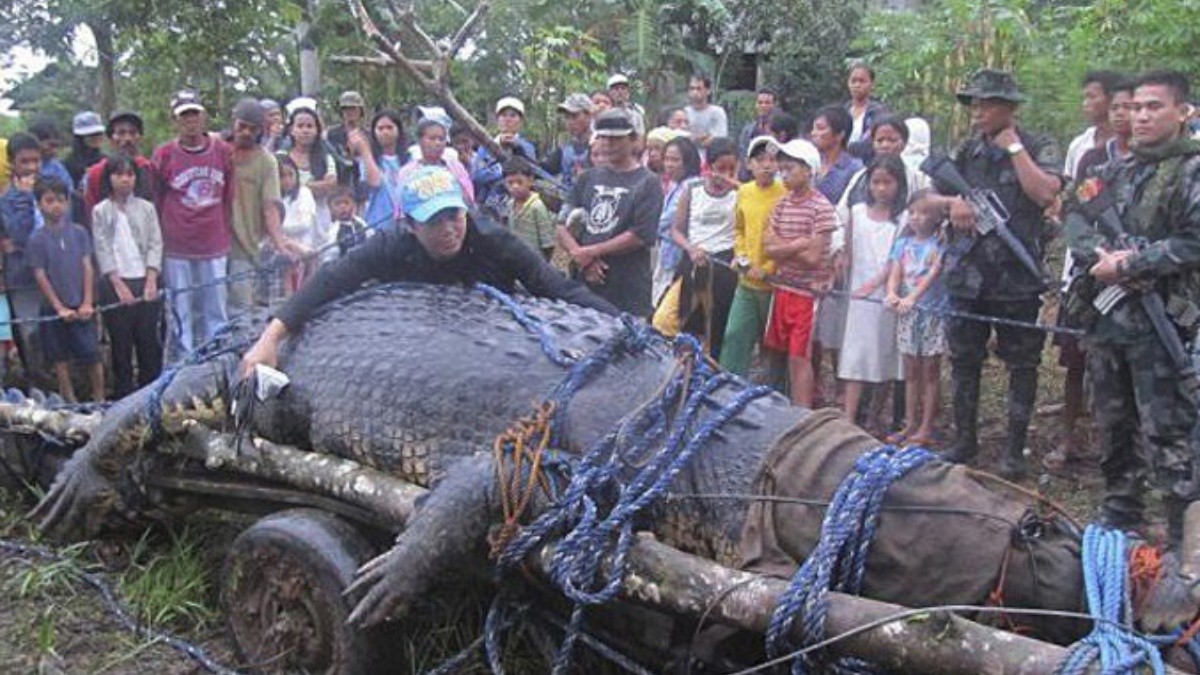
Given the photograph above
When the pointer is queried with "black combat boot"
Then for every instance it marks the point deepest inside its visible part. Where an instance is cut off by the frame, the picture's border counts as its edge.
(965, 382)
(1022, 395)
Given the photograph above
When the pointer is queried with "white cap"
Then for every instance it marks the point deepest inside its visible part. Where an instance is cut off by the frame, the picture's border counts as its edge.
(801, 151)
(759, 141)
(301, 102)
(510, 102)
(617, 79)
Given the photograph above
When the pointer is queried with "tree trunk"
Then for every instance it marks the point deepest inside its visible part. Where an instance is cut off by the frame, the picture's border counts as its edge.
(310, 65)
(106, 96)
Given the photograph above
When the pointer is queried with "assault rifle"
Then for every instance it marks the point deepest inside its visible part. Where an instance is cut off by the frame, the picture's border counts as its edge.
(1102, 211)
(990, 214)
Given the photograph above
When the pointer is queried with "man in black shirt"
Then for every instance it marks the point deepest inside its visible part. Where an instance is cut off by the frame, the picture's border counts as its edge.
(441, 245)
(615, 219)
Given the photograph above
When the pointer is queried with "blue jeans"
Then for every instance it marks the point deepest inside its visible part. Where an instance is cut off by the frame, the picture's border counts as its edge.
(198, 313)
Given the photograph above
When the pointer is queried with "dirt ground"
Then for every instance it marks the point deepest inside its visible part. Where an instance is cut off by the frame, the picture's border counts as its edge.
(53, 624)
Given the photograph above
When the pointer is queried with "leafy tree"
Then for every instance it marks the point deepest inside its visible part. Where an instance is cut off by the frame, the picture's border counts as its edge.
(561, 60)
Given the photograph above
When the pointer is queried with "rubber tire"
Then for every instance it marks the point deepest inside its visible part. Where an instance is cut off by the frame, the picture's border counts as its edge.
(322, 552)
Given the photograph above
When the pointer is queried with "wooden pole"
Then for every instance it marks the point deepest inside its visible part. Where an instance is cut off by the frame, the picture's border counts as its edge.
(666, 579)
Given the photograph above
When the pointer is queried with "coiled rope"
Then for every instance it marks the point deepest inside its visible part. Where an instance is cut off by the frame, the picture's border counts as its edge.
(839, 561)
(1114, 642)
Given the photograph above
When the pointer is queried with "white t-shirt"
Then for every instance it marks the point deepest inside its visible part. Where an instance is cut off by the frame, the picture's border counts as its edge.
(1076, 150)
(711, 121)
(710, 219)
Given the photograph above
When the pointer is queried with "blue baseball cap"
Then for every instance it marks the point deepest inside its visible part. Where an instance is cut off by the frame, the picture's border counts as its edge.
(428, 190)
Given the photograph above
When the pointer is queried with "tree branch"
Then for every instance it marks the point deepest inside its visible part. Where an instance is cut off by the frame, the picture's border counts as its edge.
(382, 61)
(408, 21)
(392, 51)
(468, 28)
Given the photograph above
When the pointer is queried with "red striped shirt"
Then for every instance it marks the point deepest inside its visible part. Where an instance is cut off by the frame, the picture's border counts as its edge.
(799, 217)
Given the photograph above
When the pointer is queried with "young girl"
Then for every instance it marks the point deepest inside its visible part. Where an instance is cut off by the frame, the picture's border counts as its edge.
(129, 253)
(912, 287)
(703, 228)
(380, 160)
(681, 163)
(869, 347)
(315, 165)
(299, 223)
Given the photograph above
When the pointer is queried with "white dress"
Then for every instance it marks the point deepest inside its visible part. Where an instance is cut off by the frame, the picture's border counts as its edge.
(869, 350)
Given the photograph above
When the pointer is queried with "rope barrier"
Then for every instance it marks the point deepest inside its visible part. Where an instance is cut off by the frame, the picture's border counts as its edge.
(119, 612)
(941, 310)
(261, 272)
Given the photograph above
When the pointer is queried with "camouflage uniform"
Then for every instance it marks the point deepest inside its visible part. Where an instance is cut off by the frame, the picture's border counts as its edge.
(1136, 386)
(984, 277)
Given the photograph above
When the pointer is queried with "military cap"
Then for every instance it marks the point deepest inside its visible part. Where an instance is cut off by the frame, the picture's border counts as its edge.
(989, 83)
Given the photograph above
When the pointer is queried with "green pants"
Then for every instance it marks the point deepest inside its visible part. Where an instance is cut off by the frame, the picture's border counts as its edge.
(747, 320)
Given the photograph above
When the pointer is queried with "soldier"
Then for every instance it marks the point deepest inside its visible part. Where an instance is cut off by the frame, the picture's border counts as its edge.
(983, 275)
(1136, 385)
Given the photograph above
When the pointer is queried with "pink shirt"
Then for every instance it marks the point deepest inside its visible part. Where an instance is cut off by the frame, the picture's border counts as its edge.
(195, 195)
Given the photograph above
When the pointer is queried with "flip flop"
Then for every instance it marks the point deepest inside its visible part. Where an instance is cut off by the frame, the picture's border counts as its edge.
(896, 438)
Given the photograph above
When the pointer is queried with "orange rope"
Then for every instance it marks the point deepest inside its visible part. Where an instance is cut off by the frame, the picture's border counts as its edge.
(523, 442)
(1145, 568)
(996, 597)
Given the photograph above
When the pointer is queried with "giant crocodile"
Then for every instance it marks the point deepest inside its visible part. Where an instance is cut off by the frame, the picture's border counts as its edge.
(418, 381)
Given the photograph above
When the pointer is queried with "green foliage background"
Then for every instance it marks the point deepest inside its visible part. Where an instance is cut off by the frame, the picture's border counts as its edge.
(923, 56)
(542, 49)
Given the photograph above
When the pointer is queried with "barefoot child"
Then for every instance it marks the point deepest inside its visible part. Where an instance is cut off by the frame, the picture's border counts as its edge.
(912, 289)
(797, 240)
(868, 350)
(60, 255)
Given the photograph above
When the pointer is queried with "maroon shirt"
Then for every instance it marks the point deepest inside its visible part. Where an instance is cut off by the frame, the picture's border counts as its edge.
(195, 196)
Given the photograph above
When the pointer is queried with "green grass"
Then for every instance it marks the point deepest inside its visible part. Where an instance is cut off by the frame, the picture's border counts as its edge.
(168, 582)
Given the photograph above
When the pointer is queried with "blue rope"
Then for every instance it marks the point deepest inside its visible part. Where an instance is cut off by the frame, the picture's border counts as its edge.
(1112, 641)
(216, 346)
(596, 512)
(530, 323)
(839, 561)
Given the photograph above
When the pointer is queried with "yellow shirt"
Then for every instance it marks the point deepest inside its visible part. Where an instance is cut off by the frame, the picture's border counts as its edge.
(753, 210)
(4, 162)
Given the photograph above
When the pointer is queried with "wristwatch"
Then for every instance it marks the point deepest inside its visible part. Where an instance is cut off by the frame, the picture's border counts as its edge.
(1014, 148)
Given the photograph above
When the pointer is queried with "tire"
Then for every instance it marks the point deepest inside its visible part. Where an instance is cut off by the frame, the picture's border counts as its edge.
(281, 590)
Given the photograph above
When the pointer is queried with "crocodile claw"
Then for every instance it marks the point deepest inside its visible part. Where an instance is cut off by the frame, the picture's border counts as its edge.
(77, 503)
(379, 585)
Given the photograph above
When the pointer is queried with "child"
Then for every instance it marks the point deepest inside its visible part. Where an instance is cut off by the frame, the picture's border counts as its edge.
(868, 350)
(912, 287)
(528, 219)
(20, 217)
(299, 221)
(60, 256)
(348, 229)
(703, 228)
(129, 253)
(752, 300)
(797, 240)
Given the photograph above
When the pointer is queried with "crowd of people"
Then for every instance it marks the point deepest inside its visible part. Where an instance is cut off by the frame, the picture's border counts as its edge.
(788, 250)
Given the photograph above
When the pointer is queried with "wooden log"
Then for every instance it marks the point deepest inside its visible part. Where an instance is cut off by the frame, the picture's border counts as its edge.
(390, 499)
(664, 578)
(930, 643)
(68, 426)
